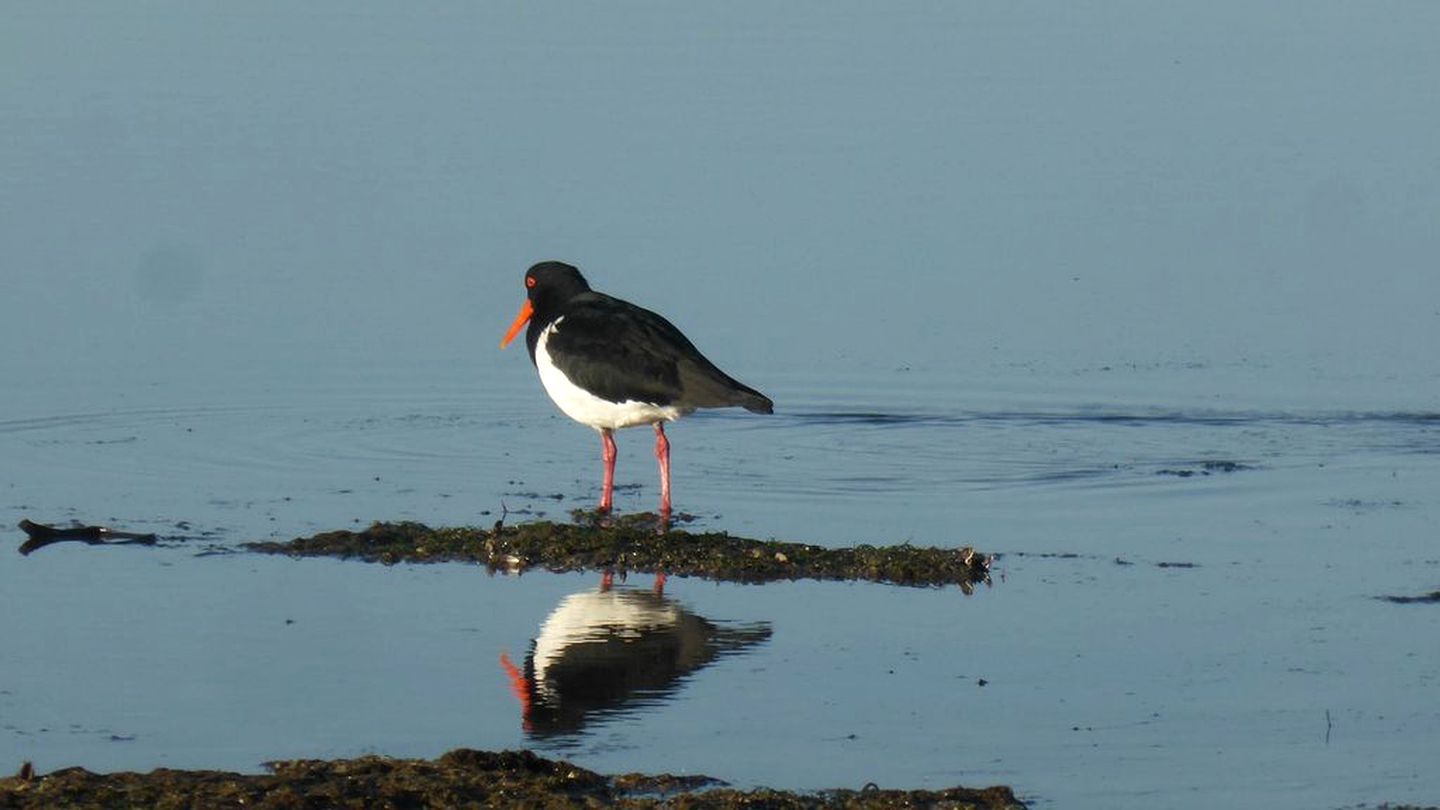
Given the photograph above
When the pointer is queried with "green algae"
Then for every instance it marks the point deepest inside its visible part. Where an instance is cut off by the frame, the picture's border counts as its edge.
(460, 778)
(633, 544)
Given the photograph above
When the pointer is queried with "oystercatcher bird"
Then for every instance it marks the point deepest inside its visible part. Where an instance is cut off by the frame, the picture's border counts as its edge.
(610, 364)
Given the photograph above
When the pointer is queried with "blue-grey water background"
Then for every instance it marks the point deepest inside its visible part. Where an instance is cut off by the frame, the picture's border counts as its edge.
(1081, 284)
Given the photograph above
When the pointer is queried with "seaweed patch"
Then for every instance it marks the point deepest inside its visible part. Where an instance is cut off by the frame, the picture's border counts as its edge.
(631, 544)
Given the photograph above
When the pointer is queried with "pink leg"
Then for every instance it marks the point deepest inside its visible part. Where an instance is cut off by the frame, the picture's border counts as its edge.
(607, 454)
(662, 454)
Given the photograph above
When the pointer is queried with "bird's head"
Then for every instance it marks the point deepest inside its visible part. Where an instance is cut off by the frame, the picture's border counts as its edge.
(548, 285)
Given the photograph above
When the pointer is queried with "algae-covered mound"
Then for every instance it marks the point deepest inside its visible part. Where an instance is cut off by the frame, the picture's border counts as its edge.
(461, 778)
(632, 544)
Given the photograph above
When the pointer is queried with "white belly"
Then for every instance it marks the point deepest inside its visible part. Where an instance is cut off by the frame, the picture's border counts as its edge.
(588, 409)
(590, 617)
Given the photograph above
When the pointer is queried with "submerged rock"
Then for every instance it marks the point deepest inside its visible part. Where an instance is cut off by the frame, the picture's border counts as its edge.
(632, 544)
(461, 778)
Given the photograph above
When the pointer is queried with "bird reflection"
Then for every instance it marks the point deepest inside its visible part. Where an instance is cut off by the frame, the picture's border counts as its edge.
(605, 651)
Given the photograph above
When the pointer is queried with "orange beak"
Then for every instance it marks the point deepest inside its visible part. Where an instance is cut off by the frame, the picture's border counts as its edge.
(520, 320)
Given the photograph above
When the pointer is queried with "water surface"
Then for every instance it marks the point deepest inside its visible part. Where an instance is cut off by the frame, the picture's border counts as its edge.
(1142, 300)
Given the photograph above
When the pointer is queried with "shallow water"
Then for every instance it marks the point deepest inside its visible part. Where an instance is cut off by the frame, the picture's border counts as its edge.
(1157, 626)
(1142, 301)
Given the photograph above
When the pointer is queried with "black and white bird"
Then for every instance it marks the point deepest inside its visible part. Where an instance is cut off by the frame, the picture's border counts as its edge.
(610, 364)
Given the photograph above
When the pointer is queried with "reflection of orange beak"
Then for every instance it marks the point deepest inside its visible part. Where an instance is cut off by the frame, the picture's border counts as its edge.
(520, 320)
(518, 687)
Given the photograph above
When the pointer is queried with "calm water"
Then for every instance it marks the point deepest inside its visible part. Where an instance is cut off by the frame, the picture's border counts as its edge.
(1094, 288)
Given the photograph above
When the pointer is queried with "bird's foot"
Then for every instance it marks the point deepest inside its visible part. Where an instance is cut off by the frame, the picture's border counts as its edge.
(593, 518)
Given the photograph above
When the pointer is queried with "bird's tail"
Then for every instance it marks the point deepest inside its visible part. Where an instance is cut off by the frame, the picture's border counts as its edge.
(754, 401)
(706, 386)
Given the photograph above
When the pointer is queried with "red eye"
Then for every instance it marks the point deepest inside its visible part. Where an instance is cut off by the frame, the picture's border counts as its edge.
(530, 282)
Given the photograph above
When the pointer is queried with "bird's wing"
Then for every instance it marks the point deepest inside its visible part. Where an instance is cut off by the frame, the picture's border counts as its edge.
(618, 351)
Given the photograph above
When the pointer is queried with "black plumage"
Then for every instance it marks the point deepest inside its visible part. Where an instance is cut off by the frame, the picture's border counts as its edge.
(619, 351)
